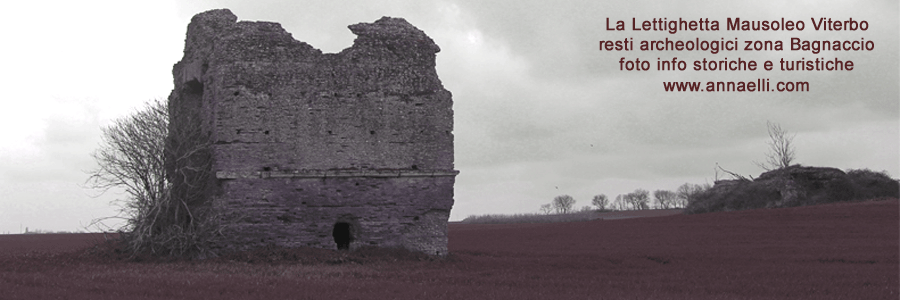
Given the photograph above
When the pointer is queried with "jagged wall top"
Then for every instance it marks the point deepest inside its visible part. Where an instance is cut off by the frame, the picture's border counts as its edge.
(205, 28)
(272, 102)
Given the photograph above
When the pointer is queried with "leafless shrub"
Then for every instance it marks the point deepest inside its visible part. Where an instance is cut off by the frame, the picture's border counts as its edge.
(144, 154)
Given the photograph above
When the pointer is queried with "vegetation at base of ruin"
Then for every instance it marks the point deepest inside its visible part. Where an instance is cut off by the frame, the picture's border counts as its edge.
(143, 153)
(856, 185)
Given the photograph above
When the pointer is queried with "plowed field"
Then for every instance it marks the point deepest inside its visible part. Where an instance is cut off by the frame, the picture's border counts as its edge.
(836, 251)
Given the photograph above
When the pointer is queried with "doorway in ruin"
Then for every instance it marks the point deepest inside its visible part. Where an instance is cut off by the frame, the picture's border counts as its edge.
(342, 234)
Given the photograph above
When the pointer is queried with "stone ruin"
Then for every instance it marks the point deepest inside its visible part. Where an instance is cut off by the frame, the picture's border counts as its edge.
(795, 185)
(343, 149)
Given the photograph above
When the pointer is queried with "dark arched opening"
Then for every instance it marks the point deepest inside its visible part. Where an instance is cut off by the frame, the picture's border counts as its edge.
(342, 235)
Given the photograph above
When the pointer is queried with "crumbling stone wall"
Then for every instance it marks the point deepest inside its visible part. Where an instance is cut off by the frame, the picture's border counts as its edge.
(302, 140)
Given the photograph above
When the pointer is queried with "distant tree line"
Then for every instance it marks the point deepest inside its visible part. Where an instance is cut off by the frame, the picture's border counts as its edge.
(743, 192)
(637, 200)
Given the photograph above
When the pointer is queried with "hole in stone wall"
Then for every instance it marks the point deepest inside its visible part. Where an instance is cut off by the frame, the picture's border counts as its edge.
(414, 167)
(266, 132)
(194, 87)
(342, 236)
(372, 132)
(416, 218)
(267, 169)
(237, 93)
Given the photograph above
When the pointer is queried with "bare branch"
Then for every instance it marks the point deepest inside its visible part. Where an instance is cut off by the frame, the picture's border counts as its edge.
(781, 148)
(734, 175)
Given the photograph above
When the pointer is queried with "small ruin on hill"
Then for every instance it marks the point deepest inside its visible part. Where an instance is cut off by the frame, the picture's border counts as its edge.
(795, 185)
(336, 150)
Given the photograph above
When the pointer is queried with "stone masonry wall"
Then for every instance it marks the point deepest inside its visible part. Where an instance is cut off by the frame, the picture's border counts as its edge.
(302, 140)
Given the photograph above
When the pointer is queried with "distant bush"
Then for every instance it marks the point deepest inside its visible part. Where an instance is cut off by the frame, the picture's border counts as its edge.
(743, 194)
(868, 184)
(794, 186)
(530, 218)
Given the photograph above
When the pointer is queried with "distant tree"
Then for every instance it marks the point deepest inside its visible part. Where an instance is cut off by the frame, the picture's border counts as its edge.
(781, 148)
(600, 201)
(547, 208)
(586, 208)
(639, 199)
(621, 203)
(628, 199)
(664, 199)
(563, 204)
(643, 198)
(686, 193)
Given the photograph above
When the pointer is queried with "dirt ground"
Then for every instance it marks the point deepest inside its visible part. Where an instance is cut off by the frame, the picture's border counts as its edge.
(835, 251)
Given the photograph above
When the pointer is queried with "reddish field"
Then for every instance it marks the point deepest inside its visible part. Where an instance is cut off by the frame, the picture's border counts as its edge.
(836, 251)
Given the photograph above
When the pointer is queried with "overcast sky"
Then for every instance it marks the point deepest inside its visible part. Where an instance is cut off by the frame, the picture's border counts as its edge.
(539, 110)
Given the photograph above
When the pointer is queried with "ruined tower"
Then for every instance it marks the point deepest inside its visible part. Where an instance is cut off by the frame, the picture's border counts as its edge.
(313, 149)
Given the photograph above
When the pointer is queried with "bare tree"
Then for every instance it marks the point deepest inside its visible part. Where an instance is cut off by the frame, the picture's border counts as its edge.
(781, 148)
(547, 209)
(664, 199)
(563, 204)
(620, 203)
(140, 154)
(628, 199)
(639, 199)
(600, 201)
(132, 157)
(686, 193)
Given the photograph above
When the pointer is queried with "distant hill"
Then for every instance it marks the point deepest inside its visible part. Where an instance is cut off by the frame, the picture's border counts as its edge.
(795, 186)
